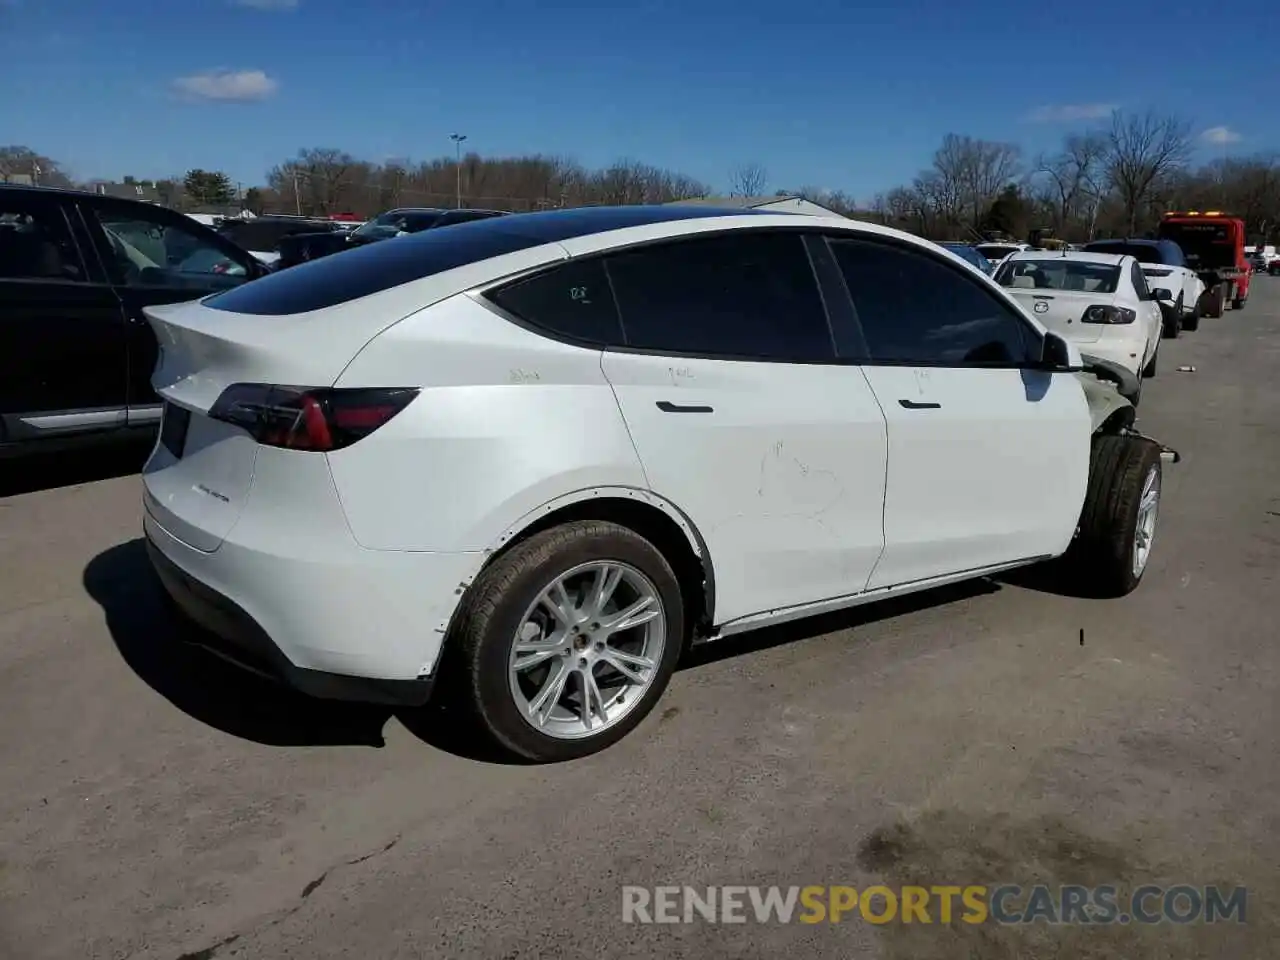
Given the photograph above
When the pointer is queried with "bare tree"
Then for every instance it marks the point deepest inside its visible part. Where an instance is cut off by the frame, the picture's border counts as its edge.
(1072, 177)
(748, 180)
(968, 176)
(1142, 150)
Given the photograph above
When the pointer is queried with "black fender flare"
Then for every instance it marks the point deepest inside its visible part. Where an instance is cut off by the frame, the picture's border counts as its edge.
(1125, 379)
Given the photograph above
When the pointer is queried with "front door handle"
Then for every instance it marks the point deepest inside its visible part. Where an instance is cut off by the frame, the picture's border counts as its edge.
(666, 406)
(919, 405)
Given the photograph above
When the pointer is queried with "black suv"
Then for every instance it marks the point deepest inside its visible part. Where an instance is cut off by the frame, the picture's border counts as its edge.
(76, 269)
(261, 236)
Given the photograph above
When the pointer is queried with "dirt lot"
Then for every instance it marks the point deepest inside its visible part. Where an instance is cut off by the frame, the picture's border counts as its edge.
(159, 804)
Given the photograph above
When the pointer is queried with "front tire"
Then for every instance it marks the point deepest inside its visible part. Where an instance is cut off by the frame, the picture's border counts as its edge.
(567, 641)
(1118, 523)
(1173, 325)
(1192, 322)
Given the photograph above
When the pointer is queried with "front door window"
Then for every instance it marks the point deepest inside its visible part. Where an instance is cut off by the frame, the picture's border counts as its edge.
(155, 253)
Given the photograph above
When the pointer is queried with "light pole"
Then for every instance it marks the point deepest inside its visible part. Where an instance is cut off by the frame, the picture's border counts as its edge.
(457, 139)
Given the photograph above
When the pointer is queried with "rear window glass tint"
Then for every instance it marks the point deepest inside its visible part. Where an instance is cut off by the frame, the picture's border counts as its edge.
(370, 269)
(572, 301)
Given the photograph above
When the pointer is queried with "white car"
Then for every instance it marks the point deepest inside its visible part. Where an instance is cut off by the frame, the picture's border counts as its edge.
(1099, 301)
(1178, 287)
(996, 251)
(530, 458)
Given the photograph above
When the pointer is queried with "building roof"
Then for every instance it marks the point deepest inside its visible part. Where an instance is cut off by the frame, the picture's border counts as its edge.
(126, 191)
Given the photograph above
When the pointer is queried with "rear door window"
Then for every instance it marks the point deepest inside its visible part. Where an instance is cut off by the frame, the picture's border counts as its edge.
(747, 294)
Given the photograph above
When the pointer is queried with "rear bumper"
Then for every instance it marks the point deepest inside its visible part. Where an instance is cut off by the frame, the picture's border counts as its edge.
(290, 593)
(228, 631)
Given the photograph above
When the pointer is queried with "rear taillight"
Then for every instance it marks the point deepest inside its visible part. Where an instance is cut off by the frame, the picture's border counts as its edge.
(309, 418)
(1109, 314)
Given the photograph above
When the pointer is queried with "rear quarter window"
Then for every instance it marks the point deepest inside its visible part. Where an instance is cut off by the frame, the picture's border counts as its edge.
(365, 270)
(573, 301)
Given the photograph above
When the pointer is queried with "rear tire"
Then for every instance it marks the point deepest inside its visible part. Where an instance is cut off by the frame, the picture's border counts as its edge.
(494, 620)
(1216, 302)
(1117, 525)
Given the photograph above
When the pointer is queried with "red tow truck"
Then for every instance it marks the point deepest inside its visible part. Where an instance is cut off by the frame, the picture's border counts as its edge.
(1213, 243)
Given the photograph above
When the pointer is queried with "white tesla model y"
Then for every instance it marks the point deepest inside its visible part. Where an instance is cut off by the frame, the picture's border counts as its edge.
(533, 457)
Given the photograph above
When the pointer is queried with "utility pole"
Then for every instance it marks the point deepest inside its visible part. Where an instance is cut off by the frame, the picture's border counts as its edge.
(297, 197)
(457, 139)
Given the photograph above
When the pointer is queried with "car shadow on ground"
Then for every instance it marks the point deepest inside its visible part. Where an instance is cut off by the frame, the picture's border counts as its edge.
(1054, 577)
(48, 471)
(848, 619)
(154, 641)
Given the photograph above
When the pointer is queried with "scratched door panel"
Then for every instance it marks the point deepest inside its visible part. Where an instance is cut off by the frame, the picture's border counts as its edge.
(780, 467)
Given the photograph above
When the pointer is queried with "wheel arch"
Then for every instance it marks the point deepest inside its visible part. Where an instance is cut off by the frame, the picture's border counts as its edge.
(652, 516)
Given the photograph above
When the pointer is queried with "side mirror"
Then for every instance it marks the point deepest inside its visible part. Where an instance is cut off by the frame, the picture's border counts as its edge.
(1162, 293)
(1060, 354)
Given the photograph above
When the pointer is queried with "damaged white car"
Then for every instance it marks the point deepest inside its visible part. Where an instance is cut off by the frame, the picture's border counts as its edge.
(526, 461)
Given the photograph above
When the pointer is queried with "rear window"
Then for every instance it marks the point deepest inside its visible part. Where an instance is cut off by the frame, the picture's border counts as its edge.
(995, 252)
(370, 269)
(1060, 274)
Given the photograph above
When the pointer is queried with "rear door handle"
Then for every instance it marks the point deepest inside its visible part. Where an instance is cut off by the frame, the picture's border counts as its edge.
(919, 405)
(666, 406)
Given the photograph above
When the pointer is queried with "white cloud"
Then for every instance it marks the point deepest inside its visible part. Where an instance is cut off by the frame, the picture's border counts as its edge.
(1220, 135)
(235, 86)
(1070, 112)
(268, 4)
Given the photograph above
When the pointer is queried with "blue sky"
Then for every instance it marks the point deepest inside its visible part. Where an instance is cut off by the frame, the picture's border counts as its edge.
(839, 95)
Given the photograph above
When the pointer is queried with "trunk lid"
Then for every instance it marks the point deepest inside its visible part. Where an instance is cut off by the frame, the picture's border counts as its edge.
(199, 477)
(1061, 310)
(203, 351)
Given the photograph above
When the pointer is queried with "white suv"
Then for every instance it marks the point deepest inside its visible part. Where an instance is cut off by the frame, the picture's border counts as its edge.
(527, 460)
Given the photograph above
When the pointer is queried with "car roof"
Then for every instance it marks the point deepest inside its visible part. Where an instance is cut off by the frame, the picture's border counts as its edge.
(1131, 241)
(1071, 256)
(414, 270)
